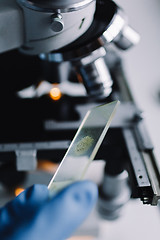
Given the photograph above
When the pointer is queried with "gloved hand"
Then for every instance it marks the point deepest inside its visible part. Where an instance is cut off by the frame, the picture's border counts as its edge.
(33, 216)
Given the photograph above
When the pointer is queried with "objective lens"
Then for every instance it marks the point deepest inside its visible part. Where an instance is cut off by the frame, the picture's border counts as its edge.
(96, 78)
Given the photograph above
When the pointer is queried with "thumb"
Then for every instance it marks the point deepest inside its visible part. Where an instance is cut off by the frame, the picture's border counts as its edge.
(67, 210)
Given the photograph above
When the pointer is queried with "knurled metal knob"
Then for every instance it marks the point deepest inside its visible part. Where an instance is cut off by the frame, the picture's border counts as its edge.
(57, 23)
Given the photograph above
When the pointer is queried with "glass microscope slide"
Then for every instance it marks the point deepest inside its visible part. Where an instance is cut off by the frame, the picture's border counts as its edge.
(83, 147)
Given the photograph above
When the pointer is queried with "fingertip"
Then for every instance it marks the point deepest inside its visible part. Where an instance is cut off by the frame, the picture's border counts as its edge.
(37, 192)
(93, 189)
(85, 192)
(80, 196)
(71, 206)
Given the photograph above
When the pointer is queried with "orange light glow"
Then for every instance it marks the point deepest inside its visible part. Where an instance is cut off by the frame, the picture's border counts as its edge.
(18, 191)
(80, 79)
(47, 166)
(55, 93)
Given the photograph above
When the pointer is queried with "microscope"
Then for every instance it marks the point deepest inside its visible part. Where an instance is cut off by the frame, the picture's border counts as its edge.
(58, 59)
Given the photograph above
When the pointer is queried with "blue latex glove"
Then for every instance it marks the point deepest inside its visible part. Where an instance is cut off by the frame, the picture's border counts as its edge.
(33, 216)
